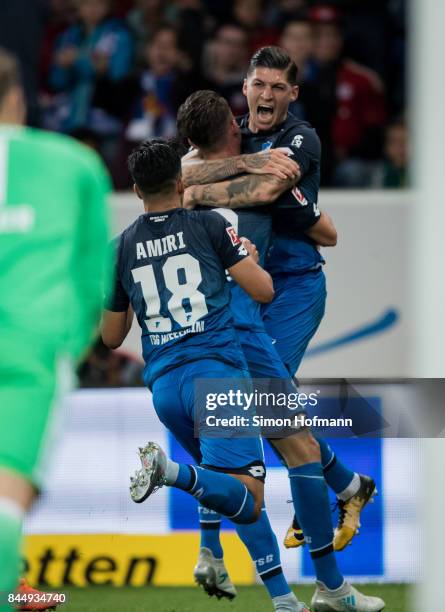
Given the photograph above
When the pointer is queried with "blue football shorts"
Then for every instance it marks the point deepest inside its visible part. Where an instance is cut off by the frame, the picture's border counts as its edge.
(295, 313)
(174, 400)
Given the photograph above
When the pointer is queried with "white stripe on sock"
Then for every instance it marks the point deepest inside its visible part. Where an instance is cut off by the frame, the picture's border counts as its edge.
(195, 470)
(351, 489)
(304, 476)
(321, 547)
(269, 570)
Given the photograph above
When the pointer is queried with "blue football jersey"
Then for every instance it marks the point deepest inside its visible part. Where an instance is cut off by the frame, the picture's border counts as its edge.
(171, 269)
(257, 227)
(295, 210)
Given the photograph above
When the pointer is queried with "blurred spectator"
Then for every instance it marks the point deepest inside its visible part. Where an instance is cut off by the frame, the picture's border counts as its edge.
(283, 11)
(225, 63)
(344, 101)
(393, 170)
(94, 90)
(296, 38)
(152, 97)
(88, 57)
(21, 32)
(154, 113)
(249, 14)
(62, 14)
(193, 24)
(143, 20)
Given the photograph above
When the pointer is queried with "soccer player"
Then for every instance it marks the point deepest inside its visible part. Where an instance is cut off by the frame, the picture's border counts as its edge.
(207, 121)
(53, 254)
(171, 269)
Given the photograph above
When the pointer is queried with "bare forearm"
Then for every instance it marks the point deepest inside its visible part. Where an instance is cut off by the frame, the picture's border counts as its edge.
(323, 232)
(241, 192)
(201, 172)
(272, 161)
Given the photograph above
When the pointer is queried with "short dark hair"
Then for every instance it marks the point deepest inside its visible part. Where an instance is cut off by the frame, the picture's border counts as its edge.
(276, 58)
(9, 73)
(204, 118)
(155, 166)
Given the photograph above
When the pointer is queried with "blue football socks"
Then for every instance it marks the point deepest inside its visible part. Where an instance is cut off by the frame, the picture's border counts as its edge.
(311, 503)
(210, 523)
(214, 490)
(262, 545)
(337, 475)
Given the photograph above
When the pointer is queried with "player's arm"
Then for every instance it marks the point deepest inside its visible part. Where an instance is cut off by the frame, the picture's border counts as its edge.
(295, 209)
(272, 161)
(239, 257)
(323, 232)
(251, 277)
(240, 192)
(117, 316)
(115, 327)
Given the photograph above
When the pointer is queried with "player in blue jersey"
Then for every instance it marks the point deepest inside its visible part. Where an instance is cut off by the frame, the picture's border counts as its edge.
(205, 119)
(170, 272)
(295, 262)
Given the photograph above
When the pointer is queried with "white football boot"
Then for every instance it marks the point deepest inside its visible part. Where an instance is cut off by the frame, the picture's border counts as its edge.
(211, 574)
(289, 603)
(344, 599)
(152, 475)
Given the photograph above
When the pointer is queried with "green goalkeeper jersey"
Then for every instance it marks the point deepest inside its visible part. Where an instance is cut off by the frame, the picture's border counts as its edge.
(53, 242)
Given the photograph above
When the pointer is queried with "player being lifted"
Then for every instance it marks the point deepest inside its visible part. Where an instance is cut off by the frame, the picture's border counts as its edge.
(206, 120)
(53, 253)
(171, 272)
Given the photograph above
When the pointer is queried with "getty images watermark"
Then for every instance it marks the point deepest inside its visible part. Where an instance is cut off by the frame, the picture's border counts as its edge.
(246, 401)
(273, 407)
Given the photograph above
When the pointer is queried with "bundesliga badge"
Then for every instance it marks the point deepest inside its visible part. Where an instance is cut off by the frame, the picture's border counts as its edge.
(233, 235)
(299, 196)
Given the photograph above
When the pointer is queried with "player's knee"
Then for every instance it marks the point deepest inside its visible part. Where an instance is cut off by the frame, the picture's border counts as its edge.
(256, 490)
(253, 515)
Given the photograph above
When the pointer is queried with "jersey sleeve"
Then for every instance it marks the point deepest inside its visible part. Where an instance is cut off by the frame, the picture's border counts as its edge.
(116, 299)
(224, 239)
(296, 209)
(304, 146)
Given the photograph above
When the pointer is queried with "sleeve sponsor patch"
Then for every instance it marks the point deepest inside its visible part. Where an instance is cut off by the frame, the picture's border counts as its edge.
(297, 141)
(299, 196)
(233, 235)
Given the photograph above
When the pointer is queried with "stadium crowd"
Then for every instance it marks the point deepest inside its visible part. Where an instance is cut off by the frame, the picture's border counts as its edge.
(113, 73)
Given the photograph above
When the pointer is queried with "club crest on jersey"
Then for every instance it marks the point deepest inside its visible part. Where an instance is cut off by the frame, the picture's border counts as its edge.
(266, 145)
(233, 235)
(299, 196)
(297, 141)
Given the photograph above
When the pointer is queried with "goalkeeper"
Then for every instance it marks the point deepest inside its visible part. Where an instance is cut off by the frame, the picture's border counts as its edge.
(53, 250)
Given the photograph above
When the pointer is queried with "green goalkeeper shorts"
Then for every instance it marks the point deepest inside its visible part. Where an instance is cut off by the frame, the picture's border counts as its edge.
(32, 382)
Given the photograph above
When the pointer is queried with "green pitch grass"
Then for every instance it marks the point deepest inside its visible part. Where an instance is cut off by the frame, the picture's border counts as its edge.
(190, 599)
